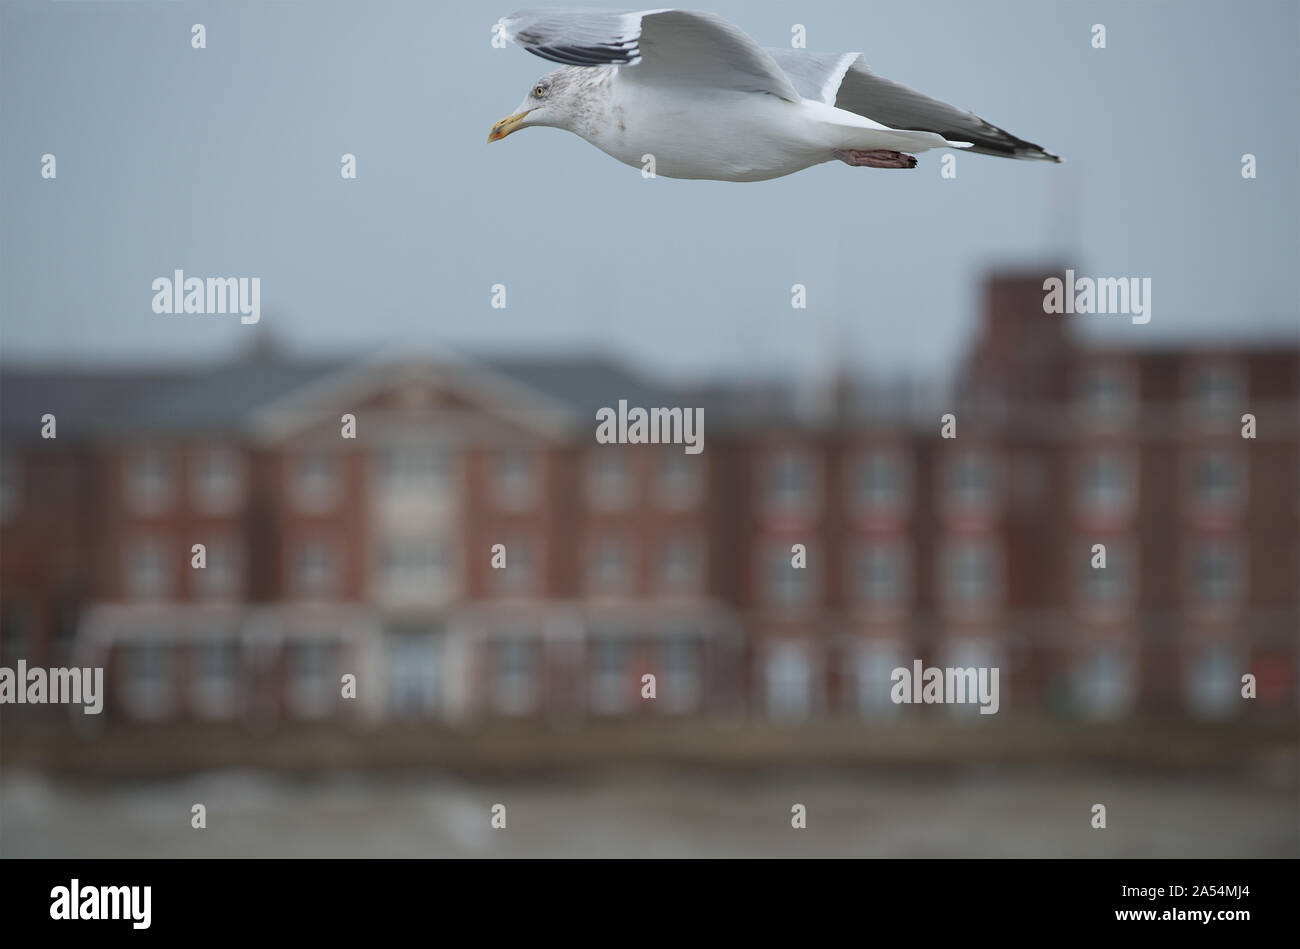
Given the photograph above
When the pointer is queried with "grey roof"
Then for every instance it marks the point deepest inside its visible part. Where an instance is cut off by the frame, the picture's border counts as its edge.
(587, 383)
(79, 399)
(220, 398)
(122, 401)
(106, 403)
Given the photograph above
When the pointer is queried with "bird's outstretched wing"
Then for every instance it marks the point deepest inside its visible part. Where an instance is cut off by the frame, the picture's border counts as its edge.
(666, 47)
(844, 81)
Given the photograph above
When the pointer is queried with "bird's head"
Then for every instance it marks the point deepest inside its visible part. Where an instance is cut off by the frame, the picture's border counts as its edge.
(552, 101)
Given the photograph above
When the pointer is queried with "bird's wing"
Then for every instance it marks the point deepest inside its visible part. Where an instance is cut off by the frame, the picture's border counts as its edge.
(844, 81)
(670, 47)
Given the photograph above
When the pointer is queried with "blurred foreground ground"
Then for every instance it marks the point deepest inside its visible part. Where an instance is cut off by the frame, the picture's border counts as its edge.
(943, 790)
(975, 813)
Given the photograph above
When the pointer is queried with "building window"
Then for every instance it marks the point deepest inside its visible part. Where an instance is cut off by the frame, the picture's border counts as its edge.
(312, 679)
(516, 479)
(610, 683)
(788, 675)
(680, 564)
(785, 585)
(1213, 678)
(148, 570)
(880, 574)
(874, 665)
(1107, 484)
(218, 479)
(216, 678)
(1218, 390)
(317, 483)
(149, 480)
(149, 686)
(413, 669)
(1218, 574)
(680, 690)
(609, 478)
(415, 568)
(414, 469)
(315, 569)
(1109, 590)
(877, 482)
(520, 574)
(516, 690)
(790, 482)
(681, 479)
(1105, 683)
(10, 484)
(609, 570)
(221, 578)
(971, 482)
(972, 573)
(1218, 481)
(983, 657)
(1106, 392)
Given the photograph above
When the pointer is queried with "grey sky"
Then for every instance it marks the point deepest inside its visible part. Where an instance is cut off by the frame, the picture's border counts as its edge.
(225, 161)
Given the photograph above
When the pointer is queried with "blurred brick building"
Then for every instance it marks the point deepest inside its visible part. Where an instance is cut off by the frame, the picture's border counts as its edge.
(372, 555)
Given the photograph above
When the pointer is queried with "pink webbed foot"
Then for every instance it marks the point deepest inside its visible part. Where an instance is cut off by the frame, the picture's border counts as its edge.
(877, 158)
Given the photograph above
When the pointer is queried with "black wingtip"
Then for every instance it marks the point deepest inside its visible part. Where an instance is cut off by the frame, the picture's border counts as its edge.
(604, 55)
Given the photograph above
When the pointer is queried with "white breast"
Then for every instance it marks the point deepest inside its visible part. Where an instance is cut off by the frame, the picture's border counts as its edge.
(693, 133)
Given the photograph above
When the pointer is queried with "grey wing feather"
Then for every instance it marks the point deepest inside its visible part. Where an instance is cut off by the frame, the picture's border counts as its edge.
(843, 80)
(666, 47)
(816, 76)
(578, 37)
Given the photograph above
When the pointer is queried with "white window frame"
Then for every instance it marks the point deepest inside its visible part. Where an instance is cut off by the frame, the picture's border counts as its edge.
(217, 498)
(154, 699)
(610, 478)
(595, 581)
(692, 581)
(863, 497)
(204, 586)
(675, 491)
(521, 576)
(216, 696)
(897, 549)
(775, 570)
(1115, 502)
(166, 569)
(955, 548)
(516, 489)
(963, 499)
(517, 691)
(783, 499)
(151, 492)
(312, 690)
(1235, 549)
(333, 564)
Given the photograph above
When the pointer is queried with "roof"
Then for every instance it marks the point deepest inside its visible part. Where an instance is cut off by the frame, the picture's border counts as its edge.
(98, 403)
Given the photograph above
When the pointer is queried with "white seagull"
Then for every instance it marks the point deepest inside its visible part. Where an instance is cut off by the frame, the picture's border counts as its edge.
(706, 101)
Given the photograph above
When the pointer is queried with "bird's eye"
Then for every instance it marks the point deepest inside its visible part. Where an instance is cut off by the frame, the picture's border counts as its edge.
(539, 91)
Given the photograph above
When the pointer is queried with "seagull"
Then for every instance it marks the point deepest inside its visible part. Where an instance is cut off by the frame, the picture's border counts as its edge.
(689, 95)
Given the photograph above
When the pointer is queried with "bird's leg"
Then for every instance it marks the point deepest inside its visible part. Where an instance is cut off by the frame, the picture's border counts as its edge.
(876, 158)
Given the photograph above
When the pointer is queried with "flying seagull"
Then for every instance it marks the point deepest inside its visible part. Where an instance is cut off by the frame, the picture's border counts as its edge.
(702, 98)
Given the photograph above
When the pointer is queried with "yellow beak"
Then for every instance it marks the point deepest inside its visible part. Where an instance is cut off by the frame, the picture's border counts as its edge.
(506, 126)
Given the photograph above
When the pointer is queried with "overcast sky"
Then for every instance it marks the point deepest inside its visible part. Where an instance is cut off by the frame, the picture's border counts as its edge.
(225, 162)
